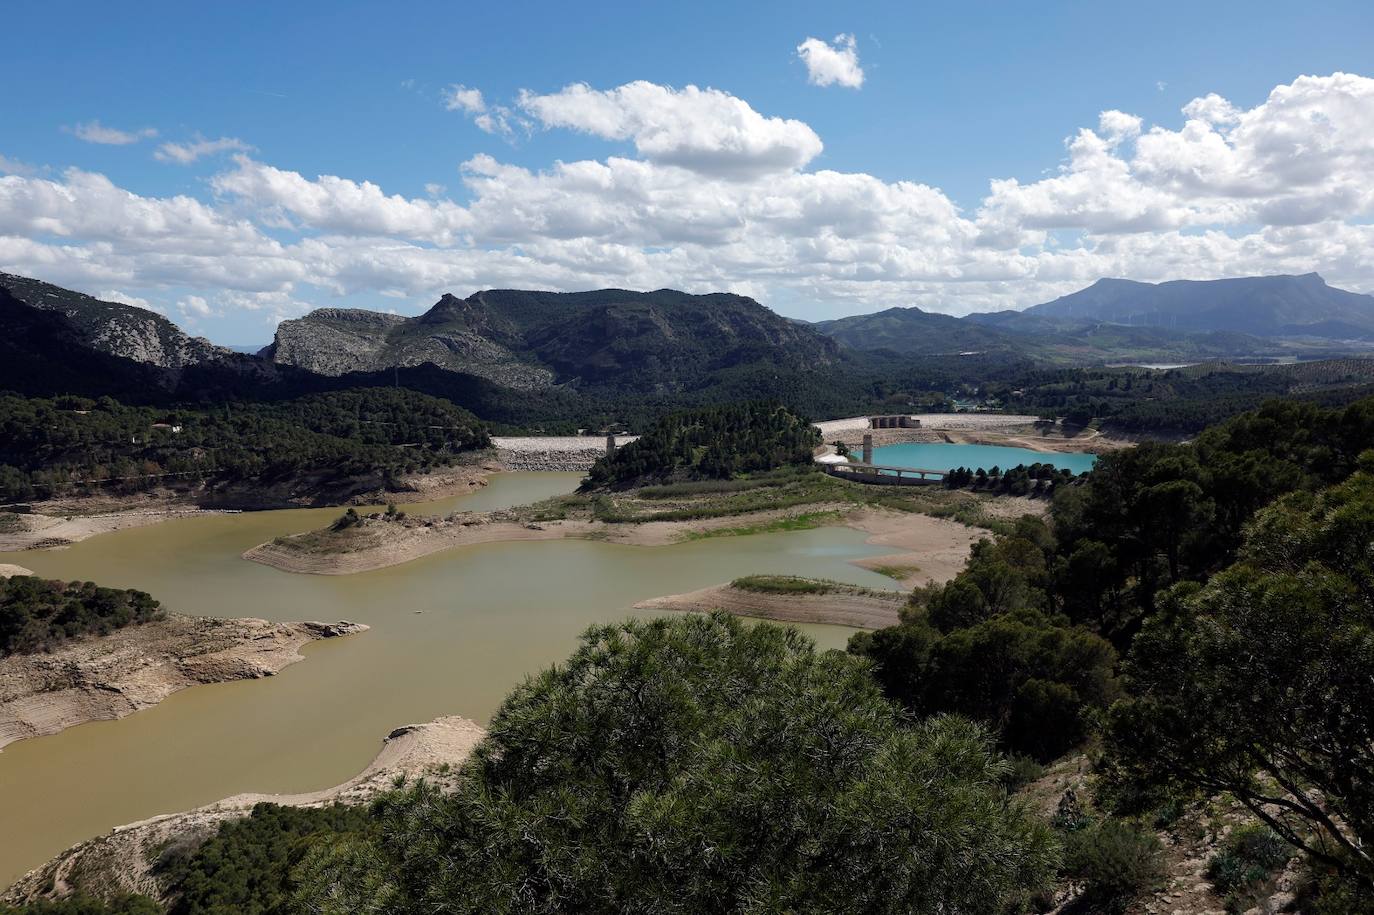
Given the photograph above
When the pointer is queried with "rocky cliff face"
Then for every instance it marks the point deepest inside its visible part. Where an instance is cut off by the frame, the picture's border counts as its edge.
(531, 340)
(117, 329)
(336, 341)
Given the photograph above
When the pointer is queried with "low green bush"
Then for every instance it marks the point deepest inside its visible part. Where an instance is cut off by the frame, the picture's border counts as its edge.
(1116, 860)
(1246, 860)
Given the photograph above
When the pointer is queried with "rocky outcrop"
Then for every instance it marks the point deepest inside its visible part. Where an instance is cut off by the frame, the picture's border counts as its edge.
(118, 329)
(102, 677)
(336, 341)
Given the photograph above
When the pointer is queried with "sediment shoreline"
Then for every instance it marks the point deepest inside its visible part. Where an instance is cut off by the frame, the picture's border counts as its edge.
(858, 608)
(60, 523)
(930, 549)
(98, 678)
(124, 860)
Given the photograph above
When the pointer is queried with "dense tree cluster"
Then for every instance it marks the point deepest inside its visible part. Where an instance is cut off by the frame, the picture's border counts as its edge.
(1021, 480)
(54, 446)
(712, 443)
(699, 764)
(1259, 683)
(246, 867)
(1156, 514)
(1185, 399)
(37, 614)
(989, 645)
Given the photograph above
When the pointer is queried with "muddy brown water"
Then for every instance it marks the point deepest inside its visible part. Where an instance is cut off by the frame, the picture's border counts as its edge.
(488, 616)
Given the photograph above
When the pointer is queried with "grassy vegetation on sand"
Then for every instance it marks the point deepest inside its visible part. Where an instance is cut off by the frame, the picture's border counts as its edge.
(794, 585)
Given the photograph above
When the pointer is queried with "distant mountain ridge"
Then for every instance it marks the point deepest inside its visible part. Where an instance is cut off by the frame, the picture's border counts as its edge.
(1117, 319)
(1263, 306)
(660, 340)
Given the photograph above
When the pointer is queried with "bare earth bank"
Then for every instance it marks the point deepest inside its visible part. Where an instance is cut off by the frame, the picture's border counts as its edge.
(124, 861)
(102, 677)
(57, 523)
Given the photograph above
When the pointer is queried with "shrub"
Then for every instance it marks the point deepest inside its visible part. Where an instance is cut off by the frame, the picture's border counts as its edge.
(1247, 858)
(1116, 861)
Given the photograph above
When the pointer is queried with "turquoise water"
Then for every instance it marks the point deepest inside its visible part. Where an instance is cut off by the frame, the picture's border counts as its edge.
(942, 456)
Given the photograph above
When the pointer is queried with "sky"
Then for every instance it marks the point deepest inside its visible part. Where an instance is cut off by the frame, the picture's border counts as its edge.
(235, 165)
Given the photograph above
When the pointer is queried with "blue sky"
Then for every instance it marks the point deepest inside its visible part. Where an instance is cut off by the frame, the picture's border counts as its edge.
(952, 98)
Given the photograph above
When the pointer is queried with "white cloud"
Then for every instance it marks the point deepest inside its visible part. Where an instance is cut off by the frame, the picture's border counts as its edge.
(495, 119)
(835, 64)
(1284, 186)
(186, 153)
(194, 307)
(1117, 126)
(95, 132)
(334, 204)
(464, 99)
(705, 130)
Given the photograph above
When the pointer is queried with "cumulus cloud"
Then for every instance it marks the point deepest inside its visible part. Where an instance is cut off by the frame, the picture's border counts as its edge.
(95, 132)
(704, 130)
(194, 307)
(335, 204)
(186, 153)
(708, 201)
(834, 64)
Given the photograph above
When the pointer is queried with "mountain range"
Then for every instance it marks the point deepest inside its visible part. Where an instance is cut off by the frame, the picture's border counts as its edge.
(522, 356)
(650, 341)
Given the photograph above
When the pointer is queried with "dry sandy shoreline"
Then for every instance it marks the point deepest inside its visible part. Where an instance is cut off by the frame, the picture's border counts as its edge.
(854, 607)
(925, 548)
(123, 860)
(98, 678)
(53, 525)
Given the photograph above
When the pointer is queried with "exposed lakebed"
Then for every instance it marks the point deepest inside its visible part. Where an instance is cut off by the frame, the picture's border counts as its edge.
(488, 616)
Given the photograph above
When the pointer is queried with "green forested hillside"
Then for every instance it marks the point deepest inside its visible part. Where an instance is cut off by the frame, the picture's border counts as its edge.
(61, 445)
(712, 443)
(1245, 632)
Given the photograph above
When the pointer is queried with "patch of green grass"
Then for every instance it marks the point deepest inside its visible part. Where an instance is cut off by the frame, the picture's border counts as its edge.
(11, 523)
(900, 573)
(795, 584)
(803, 522)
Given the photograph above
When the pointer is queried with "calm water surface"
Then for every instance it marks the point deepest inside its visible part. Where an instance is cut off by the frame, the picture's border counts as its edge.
(944, 456)
(488, 616)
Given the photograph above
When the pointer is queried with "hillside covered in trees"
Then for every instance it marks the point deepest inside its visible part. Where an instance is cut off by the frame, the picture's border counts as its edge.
(711, 443)
(65, 445)
(1229, 580)
(37, 614)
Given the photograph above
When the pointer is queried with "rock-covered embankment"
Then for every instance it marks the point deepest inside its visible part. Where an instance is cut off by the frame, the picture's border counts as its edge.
(553, 452)
(97, 678)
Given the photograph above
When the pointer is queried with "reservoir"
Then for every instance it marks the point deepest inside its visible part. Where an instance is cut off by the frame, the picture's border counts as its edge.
(451, 634)
(943, 456)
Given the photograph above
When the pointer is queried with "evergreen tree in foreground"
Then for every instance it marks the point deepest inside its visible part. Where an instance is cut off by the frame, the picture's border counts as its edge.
(699, 764)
